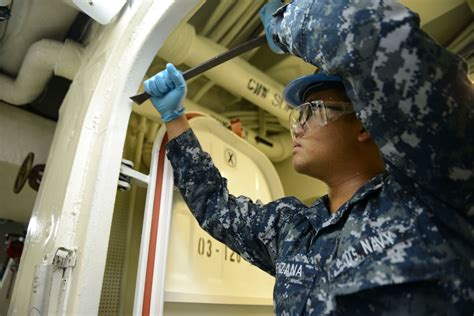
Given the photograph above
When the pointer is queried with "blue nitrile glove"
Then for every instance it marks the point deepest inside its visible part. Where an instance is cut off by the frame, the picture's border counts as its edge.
(266, 17)
(167, 89)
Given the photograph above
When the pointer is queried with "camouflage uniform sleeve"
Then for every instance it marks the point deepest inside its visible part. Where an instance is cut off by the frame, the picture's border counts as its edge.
(412, 95)
(249, 228)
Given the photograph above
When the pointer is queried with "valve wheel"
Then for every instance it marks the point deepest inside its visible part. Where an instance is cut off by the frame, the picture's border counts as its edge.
(35, 177)
(23, 173)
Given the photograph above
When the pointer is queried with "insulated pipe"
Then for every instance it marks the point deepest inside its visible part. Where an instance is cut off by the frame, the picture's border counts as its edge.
(461, 46)
(229, 20)
(243, 20)
(277, 148)
(463, 40)
(236, 75)
(43, 58)
(217, 14)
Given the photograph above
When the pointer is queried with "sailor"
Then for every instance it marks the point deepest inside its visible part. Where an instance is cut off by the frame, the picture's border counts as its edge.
(387, 124)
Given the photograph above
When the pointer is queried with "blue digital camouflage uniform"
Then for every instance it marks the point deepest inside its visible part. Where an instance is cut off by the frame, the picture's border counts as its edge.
(403, 244)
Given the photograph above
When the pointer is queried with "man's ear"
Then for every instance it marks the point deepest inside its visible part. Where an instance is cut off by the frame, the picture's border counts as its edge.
(363, 135)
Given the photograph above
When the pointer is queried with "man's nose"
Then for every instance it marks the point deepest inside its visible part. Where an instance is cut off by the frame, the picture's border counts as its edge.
(298, 130)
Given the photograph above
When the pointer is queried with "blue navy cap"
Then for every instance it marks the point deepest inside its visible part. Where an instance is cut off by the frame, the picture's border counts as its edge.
(295, 91)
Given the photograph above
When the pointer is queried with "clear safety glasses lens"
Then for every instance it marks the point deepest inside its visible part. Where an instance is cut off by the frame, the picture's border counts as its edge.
(314, 115)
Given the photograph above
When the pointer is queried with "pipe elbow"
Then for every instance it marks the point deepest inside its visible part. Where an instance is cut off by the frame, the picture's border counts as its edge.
(43, 58)
(69, 60)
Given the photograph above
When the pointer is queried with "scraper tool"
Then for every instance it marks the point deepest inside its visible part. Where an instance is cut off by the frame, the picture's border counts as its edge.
(211, 63)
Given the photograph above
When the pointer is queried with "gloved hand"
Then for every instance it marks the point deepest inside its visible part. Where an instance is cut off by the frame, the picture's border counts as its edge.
(167, 89)
(266, 17)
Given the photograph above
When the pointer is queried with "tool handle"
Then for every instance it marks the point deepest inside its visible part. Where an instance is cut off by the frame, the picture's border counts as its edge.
(211, 63)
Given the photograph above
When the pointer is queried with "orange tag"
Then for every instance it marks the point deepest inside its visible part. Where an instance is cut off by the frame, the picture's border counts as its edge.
(236, 127)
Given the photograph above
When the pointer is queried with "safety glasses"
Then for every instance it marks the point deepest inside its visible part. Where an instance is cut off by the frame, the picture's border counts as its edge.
(313, 115)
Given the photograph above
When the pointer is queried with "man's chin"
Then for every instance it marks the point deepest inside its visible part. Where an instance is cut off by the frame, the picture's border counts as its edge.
(299, 167)
(305, 168)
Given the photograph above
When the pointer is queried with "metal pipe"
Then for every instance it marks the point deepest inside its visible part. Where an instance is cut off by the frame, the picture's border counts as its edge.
(44, 58)
(243, 20)
(236, 75)
(463, 40)
(217, 14)
(203, 90)
(32, 21)
(249, 30)
(228, 38)
(229, 20)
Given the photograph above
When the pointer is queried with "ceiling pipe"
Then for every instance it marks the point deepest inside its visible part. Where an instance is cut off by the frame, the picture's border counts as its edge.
(217, 13)
(30, 22)
(277, 148)
(462, 45)
(463, 41)
(290, 68)
(43, 58)
(230, 19)
(241, 22)
(22, 132)
(231, 32)
(237, 76)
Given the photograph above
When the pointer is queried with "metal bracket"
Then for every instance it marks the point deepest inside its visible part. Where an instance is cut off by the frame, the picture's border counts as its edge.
(127, 174)
(64, 258)
(51, 282)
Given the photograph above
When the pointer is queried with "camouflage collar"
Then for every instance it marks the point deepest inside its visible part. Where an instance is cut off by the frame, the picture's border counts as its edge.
(319, 216)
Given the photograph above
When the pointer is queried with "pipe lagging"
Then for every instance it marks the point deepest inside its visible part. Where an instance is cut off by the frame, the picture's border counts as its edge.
(236, 75)
(43, 58)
